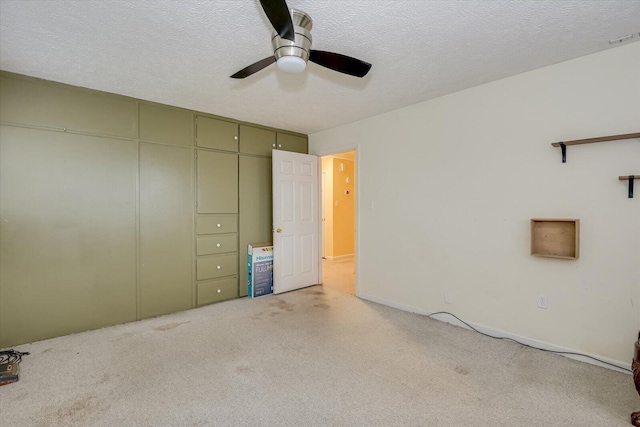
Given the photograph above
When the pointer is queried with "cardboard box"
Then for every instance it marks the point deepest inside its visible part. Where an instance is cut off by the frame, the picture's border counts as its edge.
(260, 269)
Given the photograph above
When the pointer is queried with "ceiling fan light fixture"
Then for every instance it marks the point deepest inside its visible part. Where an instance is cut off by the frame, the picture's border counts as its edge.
(291, 64)
(292, 53)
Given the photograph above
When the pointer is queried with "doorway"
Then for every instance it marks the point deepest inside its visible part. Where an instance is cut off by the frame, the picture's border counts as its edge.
(339, 221)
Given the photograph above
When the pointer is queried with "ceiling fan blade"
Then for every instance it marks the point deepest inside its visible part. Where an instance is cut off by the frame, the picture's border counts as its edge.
(254, 68)
(341, 63)
(278, 14)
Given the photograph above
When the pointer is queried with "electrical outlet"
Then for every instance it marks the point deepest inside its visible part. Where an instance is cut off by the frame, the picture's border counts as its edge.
(542, 301)
(448, 298)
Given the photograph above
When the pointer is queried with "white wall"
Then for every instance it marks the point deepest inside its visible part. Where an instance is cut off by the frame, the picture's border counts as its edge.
(455, 181)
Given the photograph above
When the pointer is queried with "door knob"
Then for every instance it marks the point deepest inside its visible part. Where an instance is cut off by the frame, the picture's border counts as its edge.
(278, 230)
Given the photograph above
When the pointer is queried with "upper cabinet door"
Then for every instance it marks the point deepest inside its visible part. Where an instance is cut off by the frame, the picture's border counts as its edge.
(40, 103)
(216, 134)
(159, 123)
(257, 141)
(294, 143)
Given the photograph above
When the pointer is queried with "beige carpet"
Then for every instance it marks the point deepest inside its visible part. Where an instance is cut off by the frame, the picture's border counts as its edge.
(339, 274)
(312, 357)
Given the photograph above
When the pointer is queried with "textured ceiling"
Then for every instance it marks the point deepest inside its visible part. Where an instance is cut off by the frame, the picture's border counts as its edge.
(183, 52)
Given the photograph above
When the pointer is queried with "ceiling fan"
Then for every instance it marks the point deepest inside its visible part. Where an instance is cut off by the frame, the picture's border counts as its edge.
(291, 43)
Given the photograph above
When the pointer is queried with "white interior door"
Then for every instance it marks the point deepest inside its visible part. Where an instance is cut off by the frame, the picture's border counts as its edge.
(295, 221)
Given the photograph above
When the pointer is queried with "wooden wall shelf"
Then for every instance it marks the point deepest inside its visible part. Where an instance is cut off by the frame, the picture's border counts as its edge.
(599, 139)
(555, 238)
(564, 144)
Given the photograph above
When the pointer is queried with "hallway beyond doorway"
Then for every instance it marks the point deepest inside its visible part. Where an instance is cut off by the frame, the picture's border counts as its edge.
(340, 274)
(338, 199)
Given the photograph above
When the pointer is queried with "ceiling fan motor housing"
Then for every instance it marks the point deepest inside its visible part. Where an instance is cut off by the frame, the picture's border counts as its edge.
(302, 25)
(292, 56)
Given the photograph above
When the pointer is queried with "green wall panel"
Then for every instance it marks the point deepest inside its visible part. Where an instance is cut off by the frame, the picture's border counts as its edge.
(67, 233)
(32, 102)
(166, 228)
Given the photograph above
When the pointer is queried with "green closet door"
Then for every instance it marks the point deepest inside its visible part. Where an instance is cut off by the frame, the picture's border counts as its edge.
(255, 208)
(67, 235)
(166, 229)
(217, 182)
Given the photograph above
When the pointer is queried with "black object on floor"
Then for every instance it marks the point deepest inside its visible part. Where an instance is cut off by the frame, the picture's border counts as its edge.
(10, 365)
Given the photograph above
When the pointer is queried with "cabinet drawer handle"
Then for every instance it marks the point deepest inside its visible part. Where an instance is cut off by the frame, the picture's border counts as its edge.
(219, 290)
(235, 137)
(218, 225)
(219, 267)
(273, 145)
(279, 145)
(218, 245)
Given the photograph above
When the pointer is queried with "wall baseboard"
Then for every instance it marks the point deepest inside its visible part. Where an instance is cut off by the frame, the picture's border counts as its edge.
(339, 257)
(500, 333)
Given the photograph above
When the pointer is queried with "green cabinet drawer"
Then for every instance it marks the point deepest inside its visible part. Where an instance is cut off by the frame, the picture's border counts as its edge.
(256, 141)
(294, 143)
(215, 266)
(217, 175)
(216, 224)
(166, 124)
(216, 134)
(217, 290)
(221, 243)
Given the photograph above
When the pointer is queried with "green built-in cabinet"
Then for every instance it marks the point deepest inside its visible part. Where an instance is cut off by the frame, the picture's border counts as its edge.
(114, 209)
(217, 211)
